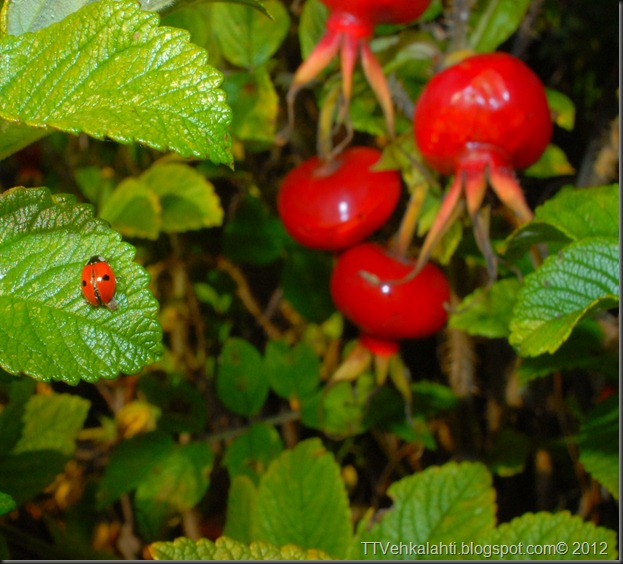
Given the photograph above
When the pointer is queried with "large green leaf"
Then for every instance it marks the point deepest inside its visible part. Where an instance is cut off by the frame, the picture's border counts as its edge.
(582, 278)
(47, 329)
(544, 536)
(441, 505)
(599, 444)
(108, 70)
(228, 549)
(301, 500)
(495, 22)
(247, 37)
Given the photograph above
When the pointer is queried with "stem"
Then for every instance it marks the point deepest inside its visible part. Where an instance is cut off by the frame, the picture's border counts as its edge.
(459, 16)
(404, 236)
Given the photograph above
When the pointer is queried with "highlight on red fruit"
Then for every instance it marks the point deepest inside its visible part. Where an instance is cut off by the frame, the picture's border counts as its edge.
(335, 204)
(362, 289)
(480, 119)
(348, 30)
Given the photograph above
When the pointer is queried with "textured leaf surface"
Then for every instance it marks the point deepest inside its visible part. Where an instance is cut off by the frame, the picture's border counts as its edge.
(47, 329)
(454, 502)
(301, 500)
(487, 312)
(52, 422)
(108, 70)
(599, 444)
(30, 15)
(228, 549)
(247, 37)
(559, 536)
(582, 278)
(497, 21)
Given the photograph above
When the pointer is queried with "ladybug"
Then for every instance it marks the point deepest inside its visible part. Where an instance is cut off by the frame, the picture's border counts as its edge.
(99, 283)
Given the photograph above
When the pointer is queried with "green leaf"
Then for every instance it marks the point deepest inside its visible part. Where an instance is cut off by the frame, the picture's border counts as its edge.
(583, 350)
(581, 279)
(553, 162)
(7, 503)
(172, 197)
(293, 373)
(183, 410)
(31, 15)
(176, 483)
(108, 70)
(301, 500)
(14, 137)
(16, 393)
(247, 37)
(487, 312)
(496, 21)
(255, 105)
(24, 475)
(559, 536)
(254, 235)
(443, 504)
(131, 463)
(562, 107)
(134, 210)
(599, 444)
(251, 453)
(241, 384)
(305, 281)
(225, 548)
(571, 215)
(47, 329)
(52, 423)
(312, 25)
(240, 509)
(508, 454)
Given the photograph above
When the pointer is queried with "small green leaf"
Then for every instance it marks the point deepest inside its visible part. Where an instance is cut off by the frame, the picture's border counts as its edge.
(292, 372)
(255, 105)
(225, 548)
(108, 70)
(571, 215)
(562, 107)
(558, 536)
(508, 454)
(582, 278)
(553, 162)
(454, 502)
(241, 383)
(52, 423)
(131, 463)
(14, 137)
(599, 444)
(134, 210)
(247, 37)
(301, 500)
(15, 392)
(487, 312)
(251, 453)
(240, 509)
(47, 328)
(176, 483)
(495, 21)
(24, 475)
(7, 503)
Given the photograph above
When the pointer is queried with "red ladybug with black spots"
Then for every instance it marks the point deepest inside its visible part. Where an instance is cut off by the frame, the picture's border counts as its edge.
(99, 283)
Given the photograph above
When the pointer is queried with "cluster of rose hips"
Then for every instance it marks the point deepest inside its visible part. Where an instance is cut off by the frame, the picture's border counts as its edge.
(478, 120)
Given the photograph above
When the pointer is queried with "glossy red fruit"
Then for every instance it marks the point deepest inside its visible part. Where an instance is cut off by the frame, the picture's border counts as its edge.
(363, 290)
(480, 119)
(99, 283)
(333, 205)
(349, 27)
